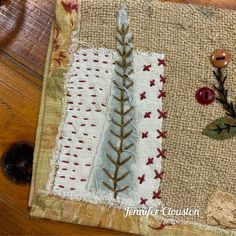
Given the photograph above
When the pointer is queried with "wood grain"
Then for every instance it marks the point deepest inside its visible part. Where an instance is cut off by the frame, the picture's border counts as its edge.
(24, 27)
(19, 103)
(15, 220)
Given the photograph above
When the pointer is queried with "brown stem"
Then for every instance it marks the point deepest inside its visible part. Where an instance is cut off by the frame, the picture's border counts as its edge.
(122, 113)
(121, 117)
(223, 94)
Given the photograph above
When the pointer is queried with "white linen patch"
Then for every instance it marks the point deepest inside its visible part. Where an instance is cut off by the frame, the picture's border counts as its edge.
(148, 75)
(88, 91)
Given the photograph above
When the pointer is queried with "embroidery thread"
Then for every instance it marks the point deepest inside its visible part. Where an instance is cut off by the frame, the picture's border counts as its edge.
(225, 127)
(121, 130)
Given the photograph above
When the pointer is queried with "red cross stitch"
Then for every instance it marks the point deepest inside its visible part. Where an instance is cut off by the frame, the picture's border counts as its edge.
(144, 134)
(156, 195)
(161, 62)
(150, 161)
(142, 95)
(162, 94)
(141, 178)
(152, 83)
(147, 67)
(158, 175)
(147, 114)
(162, 114)
(162, 134)
(143, 201)
(161, 153)
(163, 79)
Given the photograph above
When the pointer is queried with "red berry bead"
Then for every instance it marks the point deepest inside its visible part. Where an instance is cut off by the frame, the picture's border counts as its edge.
(205, 96)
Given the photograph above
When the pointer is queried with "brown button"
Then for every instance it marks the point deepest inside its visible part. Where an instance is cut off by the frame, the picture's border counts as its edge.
(220, 59)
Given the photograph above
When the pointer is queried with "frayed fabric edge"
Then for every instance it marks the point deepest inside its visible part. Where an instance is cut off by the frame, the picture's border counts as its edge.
(89, 197)
(55, 152)
(168, 221)
(85, 196)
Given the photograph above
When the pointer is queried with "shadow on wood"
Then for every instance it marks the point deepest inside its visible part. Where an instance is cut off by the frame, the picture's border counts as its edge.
(9, 37)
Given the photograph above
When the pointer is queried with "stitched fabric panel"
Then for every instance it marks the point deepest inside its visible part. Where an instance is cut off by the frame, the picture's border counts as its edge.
(87, 93)
(81, 138)
(146, 169)
(149, 96)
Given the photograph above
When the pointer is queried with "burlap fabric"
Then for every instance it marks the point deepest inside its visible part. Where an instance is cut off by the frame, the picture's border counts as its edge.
(195, 166)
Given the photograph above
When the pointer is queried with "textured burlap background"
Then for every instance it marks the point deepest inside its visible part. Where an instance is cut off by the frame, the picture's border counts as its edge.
(195, 166)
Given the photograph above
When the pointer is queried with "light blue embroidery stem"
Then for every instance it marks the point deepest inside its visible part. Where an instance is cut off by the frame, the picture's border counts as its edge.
(119, 142)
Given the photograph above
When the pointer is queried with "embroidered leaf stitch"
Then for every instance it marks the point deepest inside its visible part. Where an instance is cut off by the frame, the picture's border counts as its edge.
(225, 127)
(223, 94)
(121, 129)
(222, 128)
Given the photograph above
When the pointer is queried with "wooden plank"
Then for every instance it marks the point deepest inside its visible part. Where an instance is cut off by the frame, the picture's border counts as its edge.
(19, 103)
(15, 219)
(25, 27)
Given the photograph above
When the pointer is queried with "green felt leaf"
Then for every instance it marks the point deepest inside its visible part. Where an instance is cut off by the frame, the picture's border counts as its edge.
(220, 129)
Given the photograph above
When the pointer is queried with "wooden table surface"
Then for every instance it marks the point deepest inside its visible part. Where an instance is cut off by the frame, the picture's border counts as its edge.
(24, 27)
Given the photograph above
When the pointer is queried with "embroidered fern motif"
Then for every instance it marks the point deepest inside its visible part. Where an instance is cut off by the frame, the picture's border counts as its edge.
(121, 129)
(224, 127)
(223, 94)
